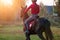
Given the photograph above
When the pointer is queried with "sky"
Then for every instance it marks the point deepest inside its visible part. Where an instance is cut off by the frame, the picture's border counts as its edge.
(45, 2)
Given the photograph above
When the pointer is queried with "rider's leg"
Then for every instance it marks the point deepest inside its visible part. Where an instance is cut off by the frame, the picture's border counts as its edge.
(27, 23)
(27, 36)
(28, 20)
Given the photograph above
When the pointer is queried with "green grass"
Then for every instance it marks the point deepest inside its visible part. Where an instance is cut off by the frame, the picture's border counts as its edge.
(16, 33)
(56, 32)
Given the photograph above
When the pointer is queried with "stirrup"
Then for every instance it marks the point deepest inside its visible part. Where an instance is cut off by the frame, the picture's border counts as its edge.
(27, 31)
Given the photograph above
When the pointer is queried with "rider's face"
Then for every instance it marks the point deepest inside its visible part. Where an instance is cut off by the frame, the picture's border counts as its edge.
(34, 0)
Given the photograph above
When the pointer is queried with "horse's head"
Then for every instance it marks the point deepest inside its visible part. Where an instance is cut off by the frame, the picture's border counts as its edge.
(23, 16)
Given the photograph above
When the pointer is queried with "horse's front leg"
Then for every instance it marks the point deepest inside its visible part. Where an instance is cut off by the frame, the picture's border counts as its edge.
(27, 36)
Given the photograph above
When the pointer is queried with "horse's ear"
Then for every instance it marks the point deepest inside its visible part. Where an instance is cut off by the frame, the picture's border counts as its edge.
(22, 9)
(26, 6)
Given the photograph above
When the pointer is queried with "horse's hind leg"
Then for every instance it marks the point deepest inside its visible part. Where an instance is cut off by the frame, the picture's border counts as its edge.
(40, 34)
(49, 33)
(27, 36)
(47, 38)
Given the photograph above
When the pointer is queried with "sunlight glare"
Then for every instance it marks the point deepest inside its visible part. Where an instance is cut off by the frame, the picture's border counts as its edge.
(6, 2)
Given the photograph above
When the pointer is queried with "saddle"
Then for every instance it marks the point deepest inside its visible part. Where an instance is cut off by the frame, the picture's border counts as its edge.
(31, 24)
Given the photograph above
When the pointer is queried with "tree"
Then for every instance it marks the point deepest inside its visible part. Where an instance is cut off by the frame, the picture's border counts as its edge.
(58, 7)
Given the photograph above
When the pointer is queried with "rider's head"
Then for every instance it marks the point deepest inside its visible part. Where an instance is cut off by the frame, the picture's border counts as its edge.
(34, 1)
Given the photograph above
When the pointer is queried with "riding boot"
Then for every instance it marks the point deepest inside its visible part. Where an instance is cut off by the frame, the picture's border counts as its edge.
(27, 30)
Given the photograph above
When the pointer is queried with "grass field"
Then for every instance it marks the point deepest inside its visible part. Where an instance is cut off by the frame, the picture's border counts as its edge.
(16, 33)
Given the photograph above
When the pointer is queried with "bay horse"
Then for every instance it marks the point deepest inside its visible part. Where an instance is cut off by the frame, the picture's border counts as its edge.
(38, 28)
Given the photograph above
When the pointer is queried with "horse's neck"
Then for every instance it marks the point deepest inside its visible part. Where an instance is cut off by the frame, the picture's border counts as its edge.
(25, 17)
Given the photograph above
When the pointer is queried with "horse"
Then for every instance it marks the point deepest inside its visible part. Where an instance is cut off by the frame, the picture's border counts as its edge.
(37, 28)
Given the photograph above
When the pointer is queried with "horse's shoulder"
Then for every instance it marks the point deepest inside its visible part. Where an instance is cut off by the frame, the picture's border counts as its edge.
(42, 18)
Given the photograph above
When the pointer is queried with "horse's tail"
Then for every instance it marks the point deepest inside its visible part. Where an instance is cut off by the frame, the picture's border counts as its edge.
(49, 33)
(48, 30)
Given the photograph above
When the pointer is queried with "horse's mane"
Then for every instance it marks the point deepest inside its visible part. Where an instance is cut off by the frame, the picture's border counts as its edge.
(24, 15)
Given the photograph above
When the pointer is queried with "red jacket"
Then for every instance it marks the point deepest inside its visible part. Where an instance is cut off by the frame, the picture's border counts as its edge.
(34, 8)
